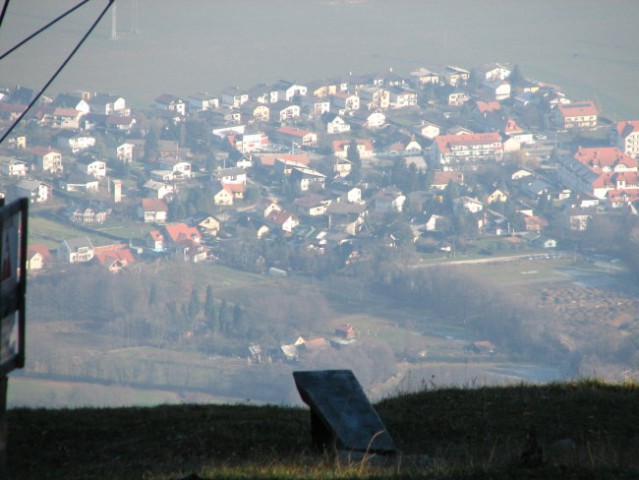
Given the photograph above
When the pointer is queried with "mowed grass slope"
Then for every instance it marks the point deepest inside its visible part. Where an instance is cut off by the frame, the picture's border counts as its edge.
(578, 430)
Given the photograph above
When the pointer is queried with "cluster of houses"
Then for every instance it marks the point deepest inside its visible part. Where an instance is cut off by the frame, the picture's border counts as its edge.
(343, 335)
(312, 160)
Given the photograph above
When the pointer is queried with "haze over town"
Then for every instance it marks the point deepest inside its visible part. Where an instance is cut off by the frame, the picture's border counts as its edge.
(225, 193)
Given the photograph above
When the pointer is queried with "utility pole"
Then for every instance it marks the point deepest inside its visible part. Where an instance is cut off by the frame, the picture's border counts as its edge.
(114, 24)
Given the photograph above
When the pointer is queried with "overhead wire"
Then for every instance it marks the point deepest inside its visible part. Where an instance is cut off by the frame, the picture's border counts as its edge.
(42, 29)
(60, 68)
(4, 11)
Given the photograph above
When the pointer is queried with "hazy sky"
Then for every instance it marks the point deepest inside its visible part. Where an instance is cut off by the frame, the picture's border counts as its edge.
(587, 47)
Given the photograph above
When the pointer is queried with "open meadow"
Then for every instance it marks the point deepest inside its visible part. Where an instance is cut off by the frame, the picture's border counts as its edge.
(426, 349)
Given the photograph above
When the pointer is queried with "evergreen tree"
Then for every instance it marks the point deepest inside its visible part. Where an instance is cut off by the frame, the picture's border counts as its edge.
(238, 321)
(194, 305)
(223, 317)
(153, 295)
(209, 302)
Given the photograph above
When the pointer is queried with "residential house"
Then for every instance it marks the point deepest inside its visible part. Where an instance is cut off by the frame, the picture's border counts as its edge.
(153, 210)
(171, 103)
(224, 196)
(80, 182)
(296, 136)
(89, 215)
(65, 118)
(346, 217)
(401, 97)
(210, 225)
(12, 167)
(287, 91)
(598, 170)
(91, 166)
(234, 98)
(578, 218)
(172, 172)
(571, 116)
(200, 102)
(155, 241)
(255, 111)
(312, 205)
(345, 102)
(457, 98)
(305, 179)
(48, 160)
(454, 149)
(370, 120)
(315, 107)
(322, 88)
(106, 104)
(492, 72)
(159, 190)
(441, 179)
(346, 331)
(114, 257)
(76, 142)
(498, 90)
(388, 200)
(120, 123)
(428, 130)
(471, 205)
(283, 220)
(423, 76)
(124, 152)
(497, 196)
(364, 147)
(626, 137)
(34, 190)
(232, 175)
(76, 250)
(71, 102)
(374, 98)
(456, 76)
(335, 124)
(38, 257)
(282, 111)
(186, 241)
(342, 167)
(248, 142)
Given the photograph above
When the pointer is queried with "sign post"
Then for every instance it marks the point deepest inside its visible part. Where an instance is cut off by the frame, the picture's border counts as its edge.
(13, 283)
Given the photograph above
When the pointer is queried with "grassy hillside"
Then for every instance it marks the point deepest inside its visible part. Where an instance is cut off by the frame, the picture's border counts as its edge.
(580, 430)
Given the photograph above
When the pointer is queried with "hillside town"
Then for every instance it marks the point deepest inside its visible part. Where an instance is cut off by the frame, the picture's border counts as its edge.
(304, 178)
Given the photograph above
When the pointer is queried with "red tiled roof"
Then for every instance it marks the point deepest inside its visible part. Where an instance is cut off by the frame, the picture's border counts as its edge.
(442, 178)
(181, 232)
(293, 131)
(627, 127)
(154, 205)
(487, 107)
(338, 145)
(41, 249)
(114, 253)
(578, 109)
(600, 157)
(233, 187)
(268, 159)
(279, 217)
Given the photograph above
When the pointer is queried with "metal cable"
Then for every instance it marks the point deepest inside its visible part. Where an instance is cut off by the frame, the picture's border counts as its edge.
(39, 31)
(57, 72)
(4, 11)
